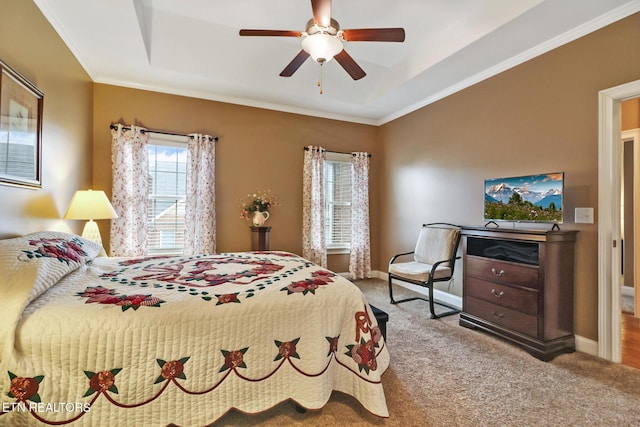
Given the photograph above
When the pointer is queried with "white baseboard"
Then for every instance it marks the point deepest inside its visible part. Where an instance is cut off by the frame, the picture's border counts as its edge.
(585, 345)
(628, 291)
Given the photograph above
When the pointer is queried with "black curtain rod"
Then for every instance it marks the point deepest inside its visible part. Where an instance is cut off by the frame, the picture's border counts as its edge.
(337, 152)
(211, 138)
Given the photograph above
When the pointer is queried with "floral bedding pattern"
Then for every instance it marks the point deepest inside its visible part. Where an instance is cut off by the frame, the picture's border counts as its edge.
(210, 332)
(63, 249)
(102, 295)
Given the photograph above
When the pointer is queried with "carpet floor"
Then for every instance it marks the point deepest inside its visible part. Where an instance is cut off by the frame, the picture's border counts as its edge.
(442, 374)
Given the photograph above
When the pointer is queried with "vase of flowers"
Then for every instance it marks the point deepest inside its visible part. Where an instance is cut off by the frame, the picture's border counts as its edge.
(257, 209)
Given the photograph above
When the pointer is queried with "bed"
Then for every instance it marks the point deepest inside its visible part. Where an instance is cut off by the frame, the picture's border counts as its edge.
(93, 340)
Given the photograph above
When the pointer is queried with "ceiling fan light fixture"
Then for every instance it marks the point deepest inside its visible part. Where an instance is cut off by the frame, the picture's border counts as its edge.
(323, 40)
(322, 47)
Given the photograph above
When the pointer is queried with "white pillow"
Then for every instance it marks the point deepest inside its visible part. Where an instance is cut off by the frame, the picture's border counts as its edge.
(38, 260)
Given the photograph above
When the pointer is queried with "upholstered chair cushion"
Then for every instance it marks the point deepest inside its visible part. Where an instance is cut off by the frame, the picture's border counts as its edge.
(418, 271)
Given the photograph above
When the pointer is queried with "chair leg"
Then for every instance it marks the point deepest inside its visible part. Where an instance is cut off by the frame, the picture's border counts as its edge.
(392, 301)
(452, 310)
(431, 307)
(431, 301)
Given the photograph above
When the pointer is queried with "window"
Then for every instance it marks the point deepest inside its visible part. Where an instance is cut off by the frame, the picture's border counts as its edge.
(167, 190)
(338, 201)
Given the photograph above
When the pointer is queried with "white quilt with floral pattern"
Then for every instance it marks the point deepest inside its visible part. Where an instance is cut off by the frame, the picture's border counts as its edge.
(88, 340)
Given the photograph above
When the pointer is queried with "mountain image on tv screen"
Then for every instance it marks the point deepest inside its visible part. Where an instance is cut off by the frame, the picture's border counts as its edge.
(535, 198)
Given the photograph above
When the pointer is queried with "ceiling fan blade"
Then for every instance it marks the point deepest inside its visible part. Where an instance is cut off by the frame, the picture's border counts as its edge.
(350, 65)
(321, 12)
(295, 64)
(374, 35)
(272, 33)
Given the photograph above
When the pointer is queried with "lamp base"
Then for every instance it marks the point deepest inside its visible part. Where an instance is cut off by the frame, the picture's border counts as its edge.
(91, 232)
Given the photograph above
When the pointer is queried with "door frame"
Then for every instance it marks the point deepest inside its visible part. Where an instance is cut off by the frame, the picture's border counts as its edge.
(609, 219)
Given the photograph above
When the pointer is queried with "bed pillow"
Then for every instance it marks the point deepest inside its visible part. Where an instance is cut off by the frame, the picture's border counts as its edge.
(33, 263)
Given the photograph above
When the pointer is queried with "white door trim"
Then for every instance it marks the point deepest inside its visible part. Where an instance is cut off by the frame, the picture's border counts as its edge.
(609, 220)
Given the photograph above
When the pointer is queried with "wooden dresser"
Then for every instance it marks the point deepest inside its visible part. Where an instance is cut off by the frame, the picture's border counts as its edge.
(518, 284)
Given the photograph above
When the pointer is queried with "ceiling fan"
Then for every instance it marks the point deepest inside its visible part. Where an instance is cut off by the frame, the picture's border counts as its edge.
(323, 38)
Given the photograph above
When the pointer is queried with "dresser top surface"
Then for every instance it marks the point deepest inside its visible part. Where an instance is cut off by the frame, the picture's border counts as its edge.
(518, 233)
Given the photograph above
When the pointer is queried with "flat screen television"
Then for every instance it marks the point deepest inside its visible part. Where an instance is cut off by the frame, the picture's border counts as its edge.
(527, 198)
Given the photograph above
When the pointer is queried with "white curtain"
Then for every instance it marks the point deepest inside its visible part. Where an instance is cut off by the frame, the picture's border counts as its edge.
(360, 253)
(130, 189)
(314, 246)
(200, 209)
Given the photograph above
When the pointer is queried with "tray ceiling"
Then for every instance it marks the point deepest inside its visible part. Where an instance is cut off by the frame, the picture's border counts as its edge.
(192, 48)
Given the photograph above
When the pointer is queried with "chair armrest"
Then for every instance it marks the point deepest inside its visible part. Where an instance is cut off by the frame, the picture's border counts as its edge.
(434, 266)
(393, 259)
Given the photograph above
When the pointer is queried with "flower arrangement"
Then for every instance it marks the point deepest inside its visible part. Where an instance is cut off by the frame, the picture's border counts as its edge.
(259, 202)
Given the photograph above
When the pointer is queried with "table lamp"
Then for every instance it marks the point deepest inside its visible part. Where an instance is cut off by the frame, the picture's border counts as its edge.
(90, 205)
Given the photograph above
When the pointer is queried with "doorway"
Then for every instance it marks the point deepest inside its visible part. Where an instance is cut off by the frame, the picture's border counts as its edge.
(630, 269)
(630, 221)
(609, 218)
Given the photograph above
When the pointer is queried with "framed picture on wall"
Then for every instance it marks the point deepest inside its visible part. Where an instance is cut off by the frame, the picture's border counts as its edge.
(20, 130)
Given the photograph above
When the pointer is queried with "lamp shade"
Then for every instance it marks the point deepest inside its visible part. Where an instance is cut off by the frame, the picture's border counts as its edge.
(322, 47)
(89, 204)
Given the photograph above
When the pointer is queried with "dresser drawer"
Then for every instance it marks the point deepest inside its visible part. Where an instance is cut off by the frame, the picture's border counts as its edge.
(520, 322)
(502, 272)
(506, 296)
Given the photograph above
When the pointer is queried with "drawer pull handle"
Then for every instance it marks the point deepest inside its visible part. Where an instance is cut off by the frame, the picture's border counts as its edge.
(497, 315)
(497, 273)
(497, 294)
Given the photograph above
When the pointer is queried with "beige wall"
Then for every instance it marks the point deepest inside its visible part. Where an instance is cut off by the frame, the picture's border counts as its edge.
(257, 150)
(31, 46)
(541, 116)
(631, 114)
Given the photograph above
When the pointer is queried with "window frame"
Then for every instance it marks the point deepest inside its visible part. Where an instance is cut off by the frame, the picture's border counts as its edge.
(173, 141)
(332, 157)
